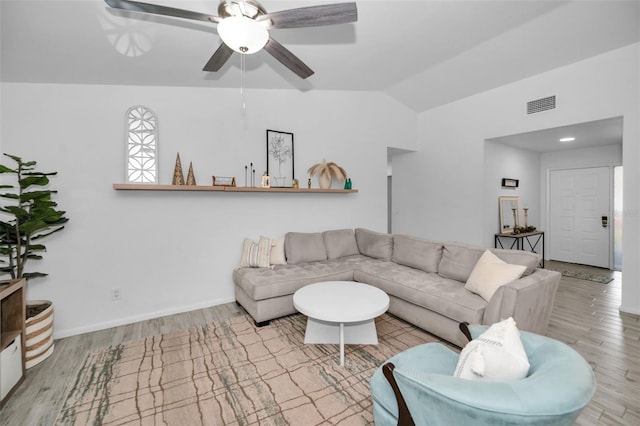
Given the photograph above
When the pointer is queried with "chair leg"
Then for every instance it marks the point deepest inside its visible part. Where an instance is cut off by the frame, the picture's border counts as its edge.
(404, 416)
(464, 327)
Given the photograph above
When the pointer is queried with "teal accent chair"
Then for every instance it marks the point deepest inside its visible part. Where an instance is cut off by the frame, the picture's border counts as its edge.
(417, 387)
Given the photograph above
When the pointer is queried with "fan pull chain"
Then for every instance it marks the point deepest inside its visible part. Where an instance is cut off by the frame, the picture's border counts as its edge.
(242, 71)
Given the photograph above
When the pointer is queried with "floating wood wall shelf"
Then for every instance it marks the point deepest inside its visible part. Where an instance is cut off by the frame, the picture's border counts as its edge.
(156, 187)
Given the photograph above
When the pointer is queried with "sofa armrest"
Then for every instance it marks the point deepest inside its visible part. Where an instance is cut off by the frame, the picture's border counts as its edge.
(529, 300)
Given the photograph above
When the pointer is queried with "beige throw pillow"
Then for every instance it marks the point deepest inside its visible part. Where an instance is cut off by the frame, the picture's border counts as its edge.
(490, 273)
(497, 354)
(277, 256)
(256, 255)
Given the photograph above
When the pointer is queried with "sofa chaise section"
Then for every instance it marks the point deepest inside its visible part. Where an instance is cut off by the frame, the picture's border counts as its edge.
(424, 279)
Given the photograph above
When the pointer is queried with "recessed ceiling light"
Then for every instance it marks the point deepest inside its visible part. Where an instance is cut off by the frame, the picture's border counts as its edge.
(567, 139)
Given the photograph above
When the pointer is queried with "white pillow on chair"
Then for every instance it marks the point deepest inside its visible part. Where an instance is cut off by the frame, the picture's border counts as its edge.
(497, 354)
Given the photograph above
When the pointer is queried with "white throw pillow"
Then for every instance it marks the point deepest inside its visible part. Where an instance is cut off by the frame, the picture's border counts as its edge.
(256, 255)
(277, 256)
(497, 354)
(490, 273)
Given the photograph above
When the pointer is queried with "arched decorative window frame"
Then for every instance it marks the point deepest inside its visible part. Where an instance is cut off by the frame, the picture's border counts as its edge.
(155, 134)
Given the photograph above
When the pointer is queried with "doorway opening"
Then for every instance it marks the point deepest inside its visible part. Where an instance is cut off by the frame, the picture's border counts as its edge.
(617, 217)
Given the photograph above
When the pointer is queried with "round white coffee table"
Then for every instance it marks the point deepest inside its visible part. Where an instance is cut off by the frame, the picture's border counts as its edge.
(341, 312)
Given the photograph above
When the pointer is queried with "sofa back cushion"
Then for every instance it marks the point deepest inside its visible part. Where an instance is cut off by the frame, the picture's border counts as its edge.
(374, 244)
(458, 260)
(340, 243)
(303, 247)
(416, 252)
(519, 257)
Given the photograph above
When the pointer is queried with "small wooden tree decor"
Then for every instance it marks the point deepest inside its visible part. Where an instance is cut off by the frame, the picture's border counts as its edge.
(178, 176)
(191, 179)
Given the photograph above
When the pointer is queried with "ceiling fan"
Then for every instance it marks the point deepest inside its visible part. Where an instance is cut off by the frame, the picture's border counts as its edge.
(243, 26)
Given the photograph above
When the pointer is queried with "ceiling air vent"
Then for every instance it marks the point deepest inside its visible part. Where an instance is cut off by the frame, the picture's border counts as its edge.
(540, 105)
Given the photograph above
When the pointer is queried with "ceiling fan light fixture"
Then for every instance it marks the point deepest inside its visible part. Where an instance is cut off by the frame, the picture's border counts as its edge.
(248, 8)
(242, 34)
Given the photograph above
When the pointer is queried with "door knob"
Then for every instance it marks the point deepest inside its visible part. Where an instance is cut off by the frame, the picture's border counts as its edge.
(605, 220)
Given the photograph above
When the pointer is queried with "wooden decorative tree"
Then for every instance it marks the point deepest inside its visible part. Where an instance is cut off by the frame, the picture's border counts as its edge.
(178, 176)
(191, 179)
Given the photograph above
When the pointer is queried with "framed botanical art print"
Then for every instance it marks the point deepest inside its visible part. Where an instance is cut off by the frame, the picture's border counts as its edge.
(280, 158)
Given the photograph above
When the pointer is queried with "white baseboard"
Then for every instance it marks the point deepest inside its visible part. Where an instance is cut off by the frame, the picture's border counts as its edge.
(626, 310)
(59, 334)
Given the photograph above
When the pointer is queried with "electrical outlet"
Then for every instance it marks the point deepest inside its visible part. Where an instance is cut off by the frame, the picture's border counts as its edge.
(115, 294)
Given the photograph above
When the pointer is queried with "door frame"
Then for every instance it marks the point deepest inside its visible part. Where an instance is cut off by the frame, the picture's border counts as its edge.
(610, 229)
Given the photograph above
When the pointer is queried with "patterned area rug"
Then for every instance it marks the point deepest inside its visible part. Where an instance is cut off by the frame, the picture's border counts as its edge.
(233, 373)
(587, 276)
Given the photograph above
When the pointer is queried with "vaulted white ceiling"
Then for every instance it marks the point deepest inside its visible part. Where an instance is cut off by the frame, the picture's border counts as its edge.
(422, 53)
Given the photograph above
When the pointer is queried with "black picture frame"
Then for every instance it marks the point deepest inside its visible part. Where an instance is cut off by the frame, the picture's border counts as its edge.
(510, 183)
(280, 158)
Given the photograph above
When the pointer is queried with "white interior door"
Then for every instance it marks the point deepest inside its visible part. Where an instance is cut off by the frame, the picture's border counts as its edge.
(579, 199)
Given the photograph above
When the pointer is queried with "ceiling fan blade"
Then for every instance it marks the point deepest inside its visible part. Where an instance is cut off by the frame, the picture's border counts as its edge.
(288, 59)
(313, 16)
(219, 58)
(161, 10)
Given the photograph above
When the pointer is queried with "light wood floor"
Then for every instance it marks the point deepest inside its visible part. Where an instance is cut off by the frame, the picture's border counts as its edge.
(585, 316)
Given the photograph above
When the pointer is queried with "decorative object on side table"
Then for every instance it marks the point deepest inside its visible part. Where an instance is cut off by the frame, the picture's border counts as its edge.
(29, 216)
(295, 184)
(508, 212)
(280, 158)
(523, 229)
(178, 176)
(326, 172)
(347, 183)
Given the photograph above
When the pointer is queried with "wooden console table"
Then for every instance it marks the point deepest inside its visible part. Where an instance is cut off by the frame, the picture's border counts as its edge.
(532, 239)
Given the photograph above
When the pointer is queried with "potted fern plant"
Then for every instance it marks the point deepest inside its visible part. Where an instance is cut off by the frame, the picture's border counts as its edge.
(28, 215)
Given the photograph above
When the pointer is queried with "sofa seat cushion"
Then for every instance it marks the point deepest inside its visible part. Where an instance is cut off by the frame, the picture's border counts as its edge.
(429, 290)
(283, 280)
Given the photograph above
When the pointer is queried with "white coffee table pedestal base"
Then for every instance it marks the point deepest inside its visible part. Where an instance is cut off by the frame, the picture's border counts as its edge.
(354, 333)
(341, 312)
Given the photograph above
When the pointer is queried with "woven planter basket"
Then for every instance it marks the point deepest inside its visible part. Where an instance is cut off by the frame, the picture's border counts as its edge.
(39, 332)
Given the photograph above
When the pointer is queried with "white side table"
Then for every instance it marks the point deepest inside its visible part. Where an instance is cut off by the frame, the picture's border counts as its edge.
(341, 312)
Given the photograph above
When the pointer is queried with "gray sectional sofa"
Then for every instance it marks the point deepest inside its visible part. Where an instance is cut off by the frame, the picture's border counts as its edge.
(424, 280)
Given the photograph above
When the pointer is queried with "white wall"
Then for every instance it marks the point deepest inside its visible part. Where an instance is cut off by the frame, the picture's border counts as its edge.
(502, 161)
(175, 251)
(438, 191)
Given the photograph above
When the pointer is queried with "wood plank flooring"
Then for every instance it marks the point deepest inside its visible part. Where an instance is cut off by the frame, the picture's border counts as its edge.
(585, 316)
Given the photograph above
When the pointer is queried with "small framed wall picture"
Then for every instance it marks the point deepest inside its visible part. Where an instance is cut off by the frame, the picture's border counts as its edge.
(280, 158)
(510, 183)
